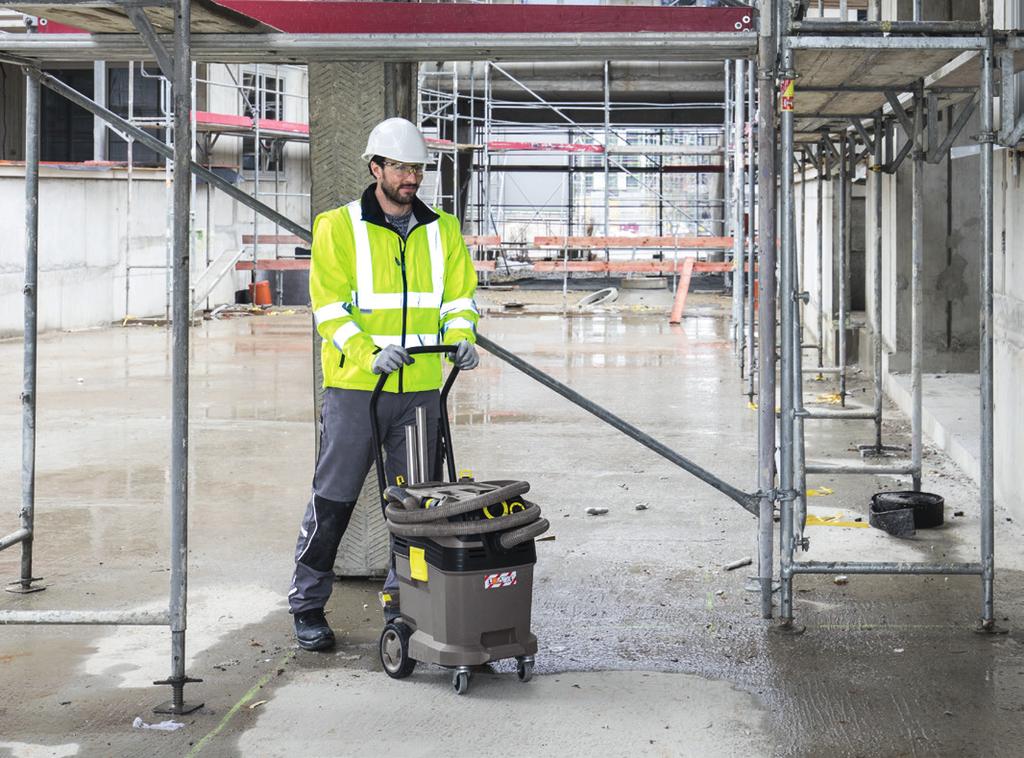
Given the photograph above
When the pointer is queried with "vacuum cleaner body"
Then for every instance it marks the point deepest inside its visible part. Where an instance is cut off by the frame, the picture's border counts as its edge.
(464, 555)
(467, 600)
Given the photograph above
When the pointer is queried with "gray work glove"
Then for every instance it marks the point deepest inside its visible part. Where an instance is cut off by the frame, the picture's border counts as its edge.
(390, 359)
(466, 357)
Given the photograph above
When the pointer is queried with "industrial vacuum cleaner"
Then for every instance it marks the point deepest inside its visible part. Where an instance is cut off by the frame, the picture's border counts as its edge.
(464, 555)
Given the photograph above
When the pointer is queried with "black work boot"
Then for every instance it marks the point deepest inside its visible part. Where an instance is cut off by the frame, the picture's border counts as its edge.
(312, 631)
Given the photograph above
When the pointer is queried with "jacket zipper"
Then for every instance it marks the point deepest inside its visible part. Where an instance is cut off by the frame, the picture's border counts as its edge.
(405, 305)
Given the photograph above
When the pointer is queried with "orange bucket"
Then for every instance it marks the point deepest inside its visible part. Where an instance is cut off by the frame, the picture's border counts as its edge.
(259, 293)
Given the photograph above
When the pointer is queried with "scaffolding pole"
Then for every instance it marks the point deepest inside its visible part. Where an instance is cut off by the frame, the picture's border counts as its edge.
(181, 321)
(737, 191)
(844, 259)
(766, 98)
(787, 310)
(819, 228)
(914, 126)
(986, 138)
(876, 280)
(25, 534)
(916, 291)
(751, 230)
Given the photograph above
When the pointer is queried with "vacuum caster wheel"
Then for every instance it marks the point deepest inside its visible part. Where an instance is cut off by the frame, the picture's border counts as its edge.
(524, 669)
(460, 682)
(394, 650)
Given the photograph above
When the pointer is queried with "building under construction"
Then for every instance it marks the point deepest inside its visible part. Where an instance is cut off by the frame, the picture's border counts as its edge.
(750, 326)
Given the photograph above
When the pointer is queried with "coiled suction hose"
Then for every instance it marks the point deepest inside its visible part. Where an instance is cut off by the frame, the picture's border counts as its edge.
(407, 518)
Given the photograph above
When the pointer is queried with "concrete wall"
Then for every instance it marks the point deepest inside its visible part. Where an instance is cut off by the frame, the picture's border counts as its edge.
(951, 206)
(84, 240)
(1008, 332)
(90, 232)
(807, 230)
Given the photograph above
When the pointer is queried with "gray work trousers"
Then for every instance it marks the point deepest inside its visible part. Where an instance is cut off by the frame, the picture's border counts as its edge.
(346, 457)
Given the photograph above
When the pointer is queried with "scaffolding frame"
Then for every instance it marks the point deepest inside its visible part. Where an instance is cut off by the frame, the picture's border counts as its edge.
(233, 48)
(782, 36)
(778, 38)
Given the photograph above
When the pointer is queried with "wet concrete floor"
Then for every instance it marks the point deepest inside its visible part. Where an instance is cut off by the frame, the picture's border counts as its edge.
(648, 647)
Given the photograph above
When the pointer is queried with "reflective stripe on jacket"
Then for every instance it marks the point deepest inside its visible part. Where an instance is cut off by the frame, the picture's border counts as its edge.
(370, 288)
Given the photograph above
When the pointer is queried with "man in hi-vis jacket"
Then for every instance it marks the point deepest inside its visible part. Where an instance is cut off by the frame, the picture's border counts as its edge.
(387, 273)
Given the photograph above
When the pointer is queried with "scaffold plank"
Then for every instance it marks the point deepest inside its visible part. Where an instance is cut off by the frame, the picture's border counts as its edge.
(540, 267)
(329, 16)
(633, 267)
(681, 243)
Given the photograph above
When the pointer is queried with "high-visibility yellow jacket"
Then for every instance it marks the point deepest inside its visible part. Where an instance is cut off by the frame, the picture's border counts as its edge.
(370, 288)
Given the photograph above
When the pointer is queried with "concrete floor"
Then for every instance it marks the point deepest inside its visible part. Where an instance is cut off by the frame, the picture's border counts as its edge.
(647, 646)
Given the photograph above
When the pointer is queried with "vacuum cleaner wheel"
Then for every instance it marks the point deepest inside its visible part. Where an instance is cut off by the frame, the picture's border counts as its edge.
(394, 650)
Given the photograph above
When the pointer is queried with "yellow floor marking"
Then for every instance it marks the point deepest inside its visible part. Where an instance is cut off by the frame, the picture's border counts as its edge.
(238, 706)
(813, 520)
(820, 492)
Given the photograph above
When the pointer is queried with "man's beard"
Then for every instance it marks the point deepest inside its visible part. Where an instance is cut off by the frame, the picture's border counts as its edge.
(392, 194)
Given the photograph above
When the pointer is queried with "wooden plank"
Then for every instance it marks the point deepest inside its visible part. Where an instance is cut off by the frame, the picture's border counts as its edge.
(481, 239)
(698, 243)
(274, 264)
(632, 267)
(274, 239)
(540, 267)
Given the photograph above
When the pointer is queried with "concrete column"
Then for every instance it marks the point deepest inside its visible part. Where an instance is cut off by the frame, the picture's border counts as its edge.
(346, 100)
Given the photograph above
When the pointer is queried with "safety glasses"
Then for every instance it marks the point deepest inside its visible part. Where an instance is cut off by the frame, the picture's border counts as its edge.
(405, 168)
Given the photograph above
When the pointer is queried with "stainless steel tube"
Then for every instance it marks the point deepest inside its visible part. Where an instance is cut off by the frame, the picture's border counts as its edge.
(876, 279)
(179, 343)
(97, 618)
(751, 230)
(867, 567)
(412, 461)
(986, 369)
(822, 163)
(767, 104)
(606, 93)
(17, 536)
(422, 448)
(28, 392)
(787, 308)
(739, 185)
(916, 290)
(837, 413)
(860, 468)
(844, 257)
(799, 448)
(727, 168)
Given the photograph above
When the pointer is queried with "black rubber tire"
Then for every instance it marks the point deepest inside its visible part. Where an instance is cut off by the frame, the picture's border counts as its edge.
(524, 670)
(460, 682)
(394, 650)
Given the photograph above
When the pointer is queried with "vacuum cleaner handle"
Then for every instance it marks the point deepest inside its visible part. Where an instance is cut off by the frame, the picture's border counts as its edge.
(446, 432)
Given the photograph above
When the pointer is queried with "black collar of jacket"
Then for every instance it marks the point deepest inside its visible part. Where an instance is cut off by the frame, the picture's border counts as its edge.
(374, 214)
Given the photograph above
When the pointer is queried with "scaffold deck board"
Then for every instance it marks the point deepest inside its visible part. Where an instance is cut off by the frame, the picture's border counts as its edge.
(208, 17)
(241, 31)
(833, 84)
(679, 243)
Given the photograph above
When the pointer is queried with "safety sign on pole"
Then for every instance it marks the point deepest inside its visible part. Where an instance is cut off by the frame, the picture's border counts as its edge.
(787, 92)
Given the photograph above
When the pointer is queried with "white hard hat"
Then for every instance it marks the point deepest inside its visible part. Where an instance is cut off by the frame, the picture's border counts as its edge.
(397, 139)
